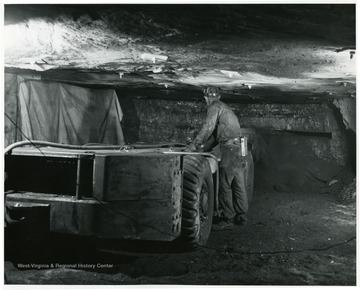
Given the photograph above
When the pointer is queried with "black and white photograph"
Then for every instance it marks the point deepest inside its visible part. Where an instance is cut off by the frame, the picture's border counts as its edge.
(189, 143)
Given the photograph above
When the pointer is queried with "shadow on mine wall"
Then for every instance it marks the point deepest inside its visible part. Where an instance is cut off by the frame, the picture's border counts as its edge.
(288, 163)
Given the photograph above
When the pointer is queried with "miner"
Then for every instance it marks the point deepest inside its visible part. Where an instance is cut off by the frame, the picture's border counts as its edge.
(220, 134)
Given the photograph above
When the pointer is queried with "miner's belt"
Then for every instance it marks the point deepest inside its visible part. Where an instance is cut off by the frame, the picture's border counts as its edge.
(234, 141)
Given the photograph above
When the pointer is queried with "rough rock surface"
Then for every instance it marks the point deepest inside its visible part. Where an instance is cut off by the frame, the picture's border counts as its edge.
(237, 47)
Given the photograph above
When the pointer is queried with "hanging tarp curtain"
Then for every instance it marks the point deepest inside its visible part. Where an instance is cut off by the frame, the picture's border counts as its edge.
(56, 112)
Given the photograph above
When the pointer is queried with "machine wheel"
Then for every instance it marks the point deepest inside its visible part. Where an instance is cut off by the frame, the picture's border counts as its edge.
(198, 201)
(249, 176)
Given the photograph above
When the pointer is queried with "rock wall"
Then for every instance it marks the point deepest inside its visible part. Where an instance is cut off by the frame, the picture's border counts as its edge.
(161, 120)
(176, 121)
(10, 108)
(301, 146)
(347, 108)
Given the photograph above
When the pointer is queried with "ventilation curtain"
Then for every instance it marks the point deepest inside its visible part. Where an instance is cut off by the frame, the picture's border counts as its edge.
(68, 114)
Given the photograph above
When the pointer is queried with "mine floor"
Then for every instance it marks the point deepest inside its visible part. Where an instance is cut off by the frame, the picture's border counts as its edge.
(291, 239)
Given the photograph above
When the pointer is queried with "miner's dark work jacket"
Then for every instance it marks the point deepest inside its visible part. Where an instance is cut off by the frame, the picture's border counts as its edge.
(221, 123)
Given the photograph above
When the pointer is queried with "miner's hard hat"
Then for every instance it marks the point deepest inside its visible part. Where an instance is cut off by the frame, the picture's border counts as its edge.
(212, 92)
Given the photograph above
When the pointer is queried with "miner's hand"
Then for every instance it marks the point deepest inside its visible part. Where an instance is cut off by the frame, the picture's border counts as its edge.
(190, 148)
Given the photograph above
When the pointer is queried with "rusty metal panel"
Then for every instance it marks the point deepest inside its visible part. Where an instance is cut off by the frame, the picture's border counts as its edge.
(177, 201)
(98, 176)
(139, 177)
(72, 218)
(67, 214)
(138, 220)
(141, 196)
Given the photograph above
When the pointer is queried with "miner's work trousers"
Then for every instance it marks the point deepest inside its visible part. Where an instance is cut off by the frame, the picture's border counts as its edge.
(232, 191)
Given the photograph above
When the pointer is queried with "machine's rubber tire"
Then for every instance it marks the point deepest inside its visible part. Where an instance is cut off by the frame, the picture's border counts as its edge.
(198, 201)
(249, 176)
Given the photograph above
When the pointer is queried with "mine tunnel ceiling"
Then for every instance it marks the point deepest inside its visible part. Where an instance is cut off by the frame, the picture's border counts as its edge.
(252, 52)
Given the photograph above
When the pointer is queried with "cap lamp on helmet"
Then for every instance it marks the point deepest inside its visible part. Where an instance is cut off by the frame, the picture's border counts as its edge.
(212, 92)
